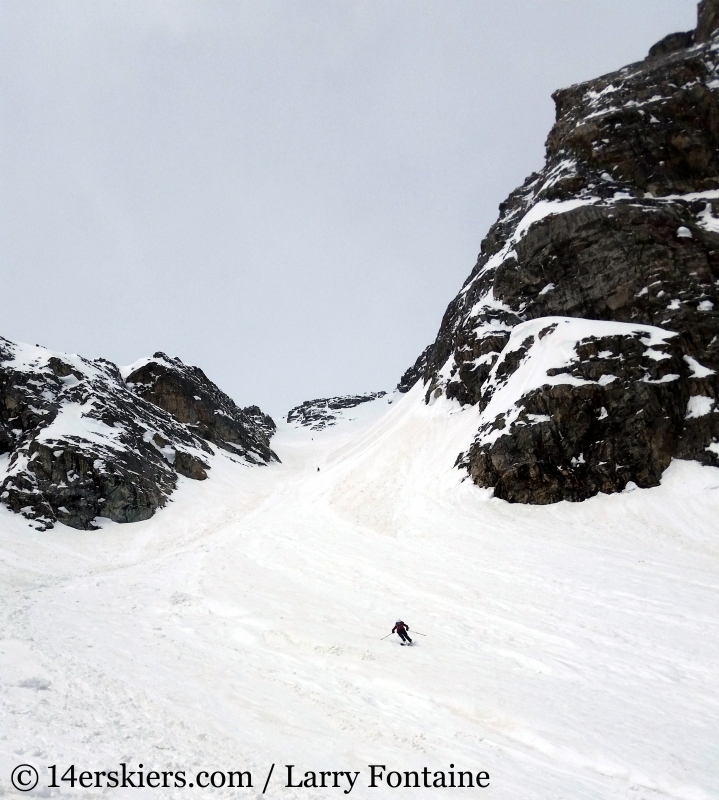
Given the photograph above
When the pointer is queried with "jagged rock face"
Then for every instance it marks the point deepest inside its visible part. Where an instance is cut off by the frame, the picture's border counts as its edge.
(672, 43)
(416, 371)
(263, 422)
(76, 444)
(190, 397)
(708, 20)
(573, 407)
(621, 225)
(323, 413)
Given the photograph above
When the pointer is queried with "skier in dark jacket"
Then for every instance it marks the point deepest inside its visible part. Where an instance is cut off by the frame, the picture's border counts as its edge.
(401, 630)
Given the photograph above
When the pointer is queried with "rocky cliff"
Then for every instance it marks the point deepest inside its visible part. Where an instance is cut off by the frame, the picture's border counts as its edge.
(192, 399)
(81, 440)
(621, 226)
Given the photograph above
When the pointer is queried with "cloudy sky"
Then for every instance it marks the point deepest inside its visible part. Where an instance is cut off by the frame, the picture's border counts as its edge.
(286, 193)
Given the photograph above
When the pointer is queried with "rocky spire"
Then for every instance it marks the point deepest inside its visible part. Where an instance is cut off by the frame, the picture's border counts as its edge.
(708, 24)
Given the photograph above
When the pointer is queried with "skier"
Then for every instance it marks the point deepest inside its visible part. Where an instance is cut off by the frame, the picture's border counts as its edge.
(400, 628)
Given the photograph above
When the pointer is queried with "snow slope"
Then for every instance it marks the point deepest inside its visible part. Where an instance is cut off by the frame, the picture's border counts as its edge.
(571, 650)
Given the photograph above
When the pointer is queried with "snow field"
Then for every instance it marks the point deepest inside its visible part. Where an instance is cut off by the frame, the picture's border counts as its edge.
(570, 650)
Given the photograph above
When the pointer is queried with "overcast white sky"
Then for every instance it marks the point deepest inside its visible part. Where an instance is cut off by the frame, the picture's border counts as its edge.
(287, 194)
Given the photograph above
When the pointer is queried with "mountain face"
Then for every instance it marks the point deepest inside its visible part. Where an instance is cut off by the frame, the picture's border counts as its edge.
(325, 412)
(80, 440)
(588, 332)
(192, 399)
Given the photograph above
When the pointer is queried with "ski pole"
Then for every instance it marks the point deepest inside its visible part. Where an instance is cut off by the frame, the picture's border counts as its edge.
(384, 637)
(419, 634)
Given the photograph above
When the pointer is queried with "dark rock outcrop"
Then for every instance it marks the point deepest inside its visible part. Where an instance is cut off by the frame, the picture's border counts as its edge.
(77, 444)
(672, 43)
(621, 225)
(188, 395)
(263, 422)
(708, 23)
(575, 407)
(322, 413)
(415, 372)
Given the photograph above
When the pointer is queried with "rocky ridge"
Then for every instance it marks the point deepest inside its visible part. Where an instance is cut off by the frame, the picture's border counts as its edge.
(188, 395)
(325, 412)
(621, 226)
(81, 440)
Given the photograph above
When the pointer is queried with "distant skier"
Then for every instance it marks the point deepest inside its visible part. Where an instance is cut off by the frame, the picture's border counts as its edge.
(400, 628)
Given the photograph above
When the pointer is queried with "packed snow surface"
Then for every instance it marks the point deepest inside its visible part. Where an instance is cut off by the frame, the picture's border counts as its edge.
(570, 650)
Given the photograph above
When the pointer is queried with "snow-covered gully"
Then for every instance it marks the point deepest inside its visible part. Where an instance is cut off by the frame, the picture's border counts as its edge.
(571, 650)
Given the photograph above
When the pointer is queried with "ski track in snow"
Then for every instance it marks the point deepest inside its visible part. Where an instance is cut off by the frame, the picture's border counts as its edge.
(571, 650)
